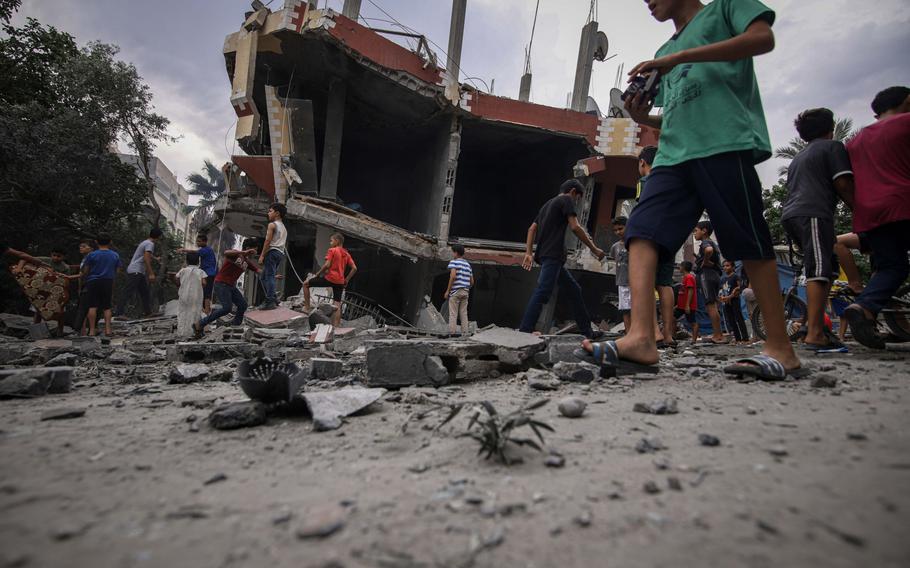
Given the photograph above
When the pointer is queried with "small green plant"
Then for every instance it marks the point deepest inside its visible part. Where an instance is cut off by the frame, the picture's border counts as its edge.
(493, 430)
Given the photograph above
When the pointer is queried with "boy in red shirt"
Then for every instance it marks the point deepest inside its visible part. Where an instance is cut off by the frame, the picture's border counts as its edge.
(880, 155)
(337, 259)
(236, 262)
(687, 301)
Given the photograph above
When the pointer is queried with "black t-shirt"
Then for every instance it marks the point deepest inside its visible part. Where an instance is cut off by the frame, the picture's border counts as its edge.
(700, 258)
(552, 221)
(810, 180)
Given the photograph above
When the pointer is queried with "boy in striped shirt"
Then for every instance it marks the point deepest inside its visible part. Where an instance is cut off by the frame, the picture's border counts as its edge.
(461, 278)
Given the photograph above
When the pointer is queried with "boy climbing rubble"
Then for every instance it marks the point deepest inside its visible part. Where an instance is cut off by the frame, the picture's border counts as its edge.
(337, 260)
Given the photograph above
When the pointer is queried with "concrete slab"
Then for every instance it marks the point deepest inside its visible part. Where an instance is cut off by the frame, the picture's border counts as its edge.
(279, 317)
(195, 352)
(329, 407)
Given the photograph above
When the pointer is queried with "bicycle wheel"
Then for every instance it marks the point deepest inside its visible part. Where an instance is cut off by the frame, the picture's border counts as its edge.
(897, 313)
(794, 313)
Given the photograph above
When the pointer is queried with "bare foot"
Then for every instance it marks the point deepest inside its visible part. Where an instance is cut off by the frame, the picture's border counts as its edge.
(785, 355)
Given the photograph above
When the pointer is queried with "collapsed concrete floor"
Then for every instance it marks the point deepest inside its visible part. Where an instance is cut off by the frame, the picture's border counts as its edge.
(127, 468)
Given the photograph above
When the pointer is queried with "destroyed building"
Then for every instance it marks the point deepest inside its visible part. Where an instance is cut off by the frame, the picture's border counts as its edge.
(358, 134)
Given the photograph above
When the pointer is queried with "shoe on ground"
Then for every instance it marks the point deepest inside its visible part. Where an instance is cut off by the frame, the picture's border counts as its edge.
(269, 306)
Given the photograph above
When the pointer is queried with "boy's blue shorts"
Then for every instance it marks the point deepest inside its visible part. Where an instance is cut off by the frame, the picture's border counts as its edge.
(725, 185)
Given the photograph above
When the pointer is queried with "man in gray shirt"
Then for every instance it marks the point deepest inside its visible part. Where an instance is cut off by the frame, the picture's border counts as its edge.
(816, 177)
(139, 274)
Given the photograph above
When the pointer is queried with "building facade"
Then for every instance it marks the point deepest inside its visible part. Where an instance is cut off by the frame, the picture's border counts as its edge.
(170, 196)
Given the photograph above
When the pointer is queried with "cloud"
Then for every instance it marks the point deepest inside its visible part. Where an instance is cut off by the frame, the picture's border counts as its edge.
(836, 53)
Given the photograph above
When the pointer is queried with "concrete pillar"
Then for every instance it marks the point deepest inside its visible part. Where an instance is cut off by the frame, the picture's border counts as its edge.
(351, 9)
(584, 66)
(321, 246)
(456, 35)
(334, 128)
(524, 90)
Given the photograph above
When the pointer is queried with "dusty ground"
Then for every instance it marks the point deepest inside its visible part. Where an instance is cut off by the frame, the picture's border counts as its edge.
(125, 485)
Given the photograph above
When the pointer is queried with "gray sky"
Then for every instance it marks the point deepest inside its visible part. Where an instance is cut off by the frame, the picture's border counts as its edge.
(834, 53)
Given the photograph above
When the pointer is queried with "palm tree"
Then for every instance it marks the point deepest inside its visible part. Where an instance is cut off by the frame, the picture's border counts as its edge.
(843, 132)
(209, 186)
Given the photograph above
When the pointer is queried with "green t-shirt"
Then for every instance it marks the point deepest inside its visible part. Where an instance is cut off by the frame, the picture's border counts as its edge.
(715, 107)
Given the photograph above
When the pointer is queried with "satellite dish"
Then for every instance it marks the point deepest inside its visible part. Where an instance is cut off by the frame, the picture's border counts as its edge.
(617, 108)
(592, 108)
(601, 43)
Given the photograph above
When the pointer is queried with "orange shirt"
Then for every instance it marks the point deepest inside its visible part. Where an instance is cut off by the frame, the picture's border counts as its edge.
(339, 259)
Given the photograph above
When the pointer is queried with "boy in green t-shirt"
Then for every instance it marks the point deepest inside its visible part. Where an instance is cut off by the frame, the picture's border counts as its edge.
(713, 132)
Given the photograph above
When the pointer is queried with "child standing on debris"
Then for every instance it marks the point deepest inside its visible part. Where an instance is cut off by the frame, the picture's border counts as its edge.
(621, 258)
(729, 300)
(461, 280)
(236, 262)
(192, 281)
(273, 252)
(687, 300)
(98, 270)
(337, 260)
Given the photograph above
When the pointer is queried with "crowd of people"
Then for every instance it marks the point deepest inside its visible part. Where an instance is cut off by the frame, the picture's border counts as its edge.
(712, 134)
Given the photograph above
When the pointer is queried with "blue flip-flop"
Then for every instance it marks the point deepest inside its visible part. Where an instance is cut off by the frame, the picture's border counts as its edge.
(606, 353)
(764, 367)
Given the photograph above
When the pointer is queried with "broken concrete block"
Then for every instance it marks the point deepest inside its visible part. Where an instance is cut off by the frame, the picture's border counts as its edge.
(35, 381)
(122, 357)
(14, 325)
(321, 315)
(560, 348)
(512, 347)
(279, 317)
(404, 363)
(86, 344)
(63, 360)
(429, 317)
(540, 380)
(322, 333)
(361, 323)
(324, 368)
(192, 352)
(186, 373)
(578, 372)
(238, 415)
(329, 407)
(38, 331)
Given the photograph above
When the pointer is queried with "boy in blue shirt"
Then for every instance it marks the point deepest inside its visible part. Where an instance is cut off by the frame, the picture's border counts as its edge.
(98, 270)
(713, 132)
(209, 264)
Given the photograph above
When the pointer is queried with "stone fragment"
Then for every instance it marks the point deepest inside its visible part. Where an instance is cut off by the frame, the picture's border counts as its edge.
(857, 436)
(651, 487)
(321, 522)
(405, 364)
(708, 440)
(122, 357)
(63, 413)
(649, 445)
(583, 519)
(186, 373)
(217, 478)
(325, 368)
(823, 382)
(572, 407)
(555, 459)
(666, 406)
(35, 381)
(329, 407)
(540, 380)
(63, 360)
(238, 415)
(215, 352)
(576, 372)
(512, 347)
(778, 451)
(674, 483)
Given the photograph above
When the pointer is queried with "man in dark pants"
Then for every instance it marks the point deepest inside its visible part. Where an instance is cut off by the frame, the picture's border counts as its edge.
(880, 155)
(549, 230)
(139, 274)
